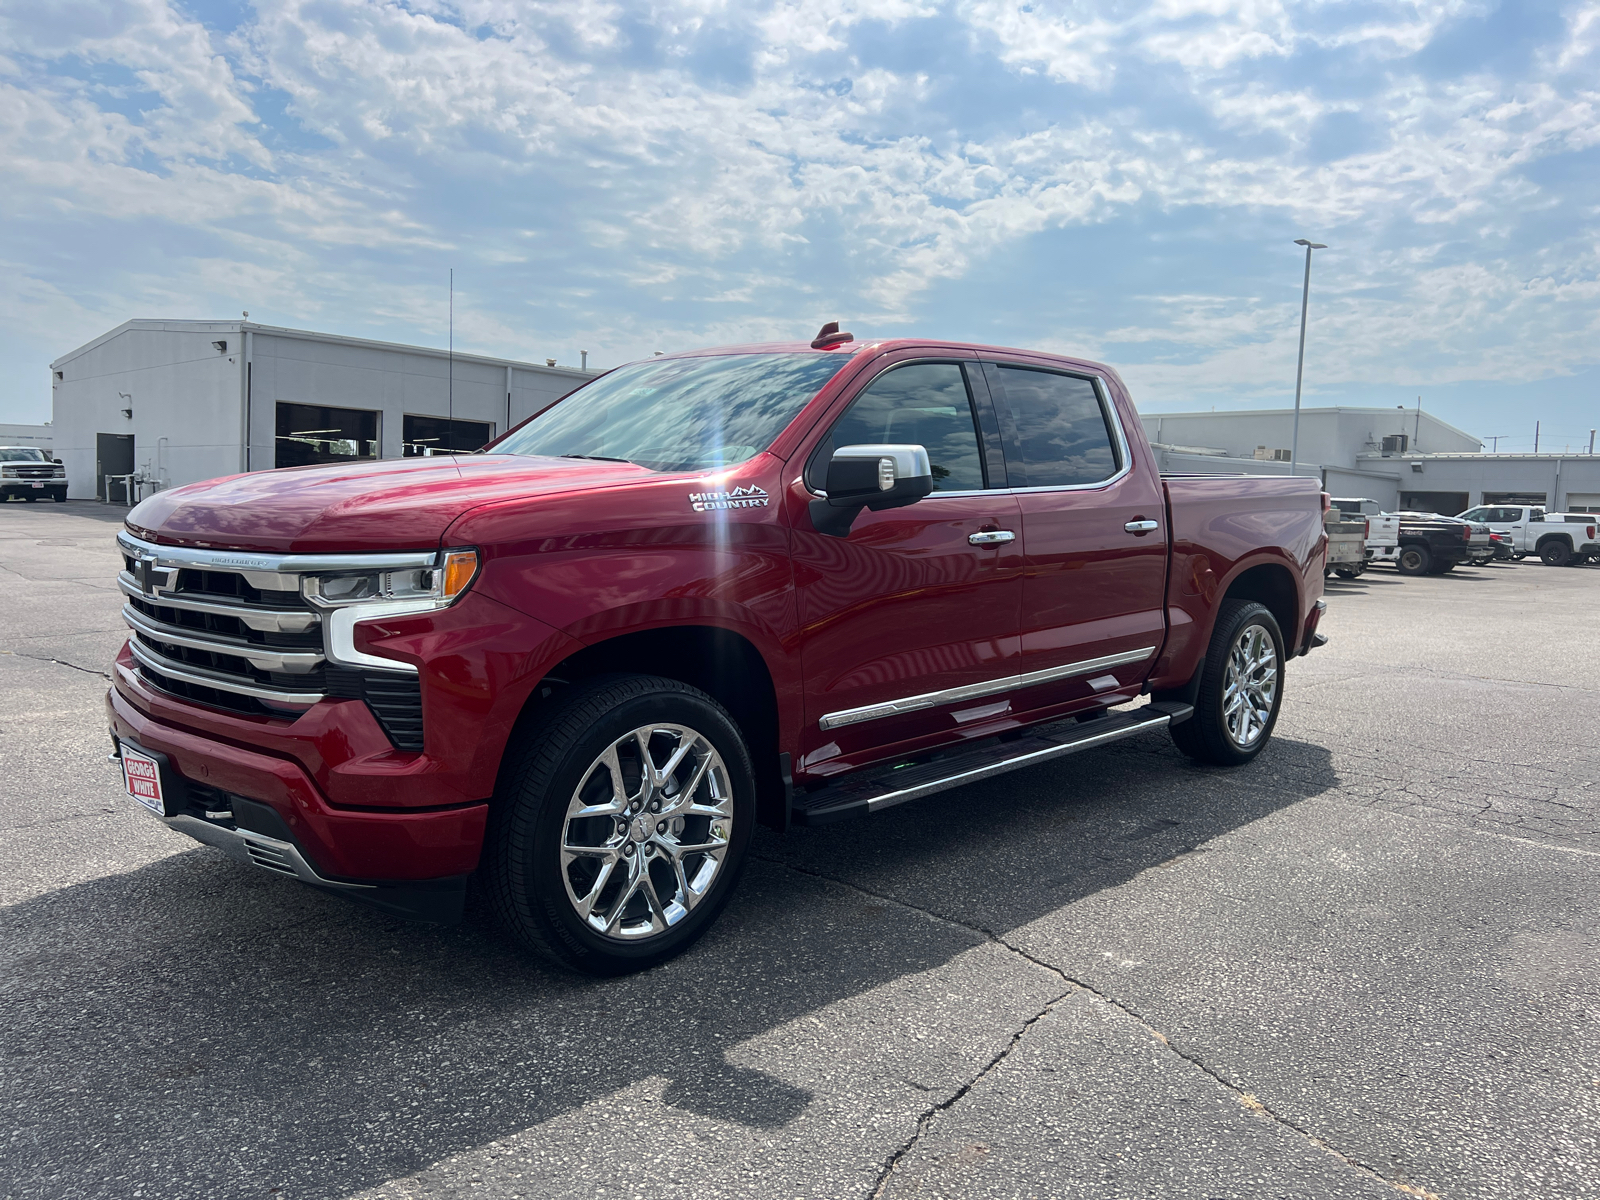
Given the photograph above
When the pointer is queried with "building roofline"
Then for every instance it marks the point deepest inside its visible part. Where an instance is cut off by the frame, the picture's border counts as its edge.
(1305, 410)
(188, 326)
(1480, 456)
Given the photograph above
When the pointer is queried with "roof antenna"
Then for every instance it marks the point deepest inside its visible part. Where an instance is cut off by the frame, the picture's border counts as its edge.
(830, 336)
(450, 421)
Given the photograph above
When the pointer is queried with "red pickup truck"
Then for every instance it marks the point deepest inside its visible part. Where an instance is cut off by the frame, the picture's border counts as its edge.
(785, 583)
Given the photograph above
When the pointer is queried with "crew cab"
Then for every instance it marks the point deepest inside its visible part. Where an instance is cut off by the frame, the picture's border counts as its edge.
(789, 583)
(28, 473)
(1559, 539)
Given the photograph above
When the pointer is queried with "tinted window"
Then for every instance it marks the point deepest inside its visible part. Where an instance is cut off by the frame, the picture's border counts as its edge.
(21, 454)
(1062, 436)
(679, 414)
(925, 404)
(1479, 514)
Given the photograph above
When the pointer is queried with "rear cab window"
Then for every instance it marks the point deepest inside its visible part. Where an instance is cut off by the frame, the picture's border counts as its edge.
(1062, 433)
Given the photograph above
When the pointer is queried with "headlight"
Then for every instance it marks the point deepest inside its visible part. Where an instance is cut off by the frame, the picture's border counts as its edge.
(348, 598)
(433, 587)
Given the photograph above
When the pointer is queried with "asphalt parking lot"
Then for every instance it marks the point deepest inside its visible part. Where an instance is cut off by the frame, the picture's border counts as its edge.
(1363, 966)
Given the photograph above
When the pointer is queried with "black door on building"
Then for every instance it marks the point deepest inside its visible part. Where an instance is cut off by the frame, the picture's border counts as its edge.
(113, 455)
(1446, 504)
(431, 435)
(317, 433)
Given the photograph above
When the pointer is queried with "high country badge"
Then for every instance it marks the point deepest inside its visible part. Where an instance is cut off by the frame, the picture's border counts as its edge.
(742, 497)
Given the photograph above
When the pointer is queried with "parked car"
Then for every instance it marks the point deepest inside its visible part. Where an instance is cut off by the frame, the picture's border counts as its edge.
(1382, 534)
(789, 583)
(1347, 544)
(1559, 539)
(28, 473)
(1504, 546)
(1431, 544)
(1566, 539)
(1508, 518)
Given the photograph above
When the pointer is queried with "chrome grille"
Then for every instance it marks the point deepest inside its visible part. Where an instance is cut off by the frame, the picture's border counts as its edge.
(232, 630)
(34, 471)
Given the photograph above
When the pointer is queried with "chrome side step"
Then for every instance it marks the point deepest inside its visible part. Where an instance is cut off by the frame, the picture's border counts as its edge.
(873, 790)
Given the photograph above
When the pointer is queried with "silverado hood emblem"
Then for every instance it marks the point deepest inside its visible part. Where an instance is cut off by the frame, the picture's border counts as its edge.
(740, 497)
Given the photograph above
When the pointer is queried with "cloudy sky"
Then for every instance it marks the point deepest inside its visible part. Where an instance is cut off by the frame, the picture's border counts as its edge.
(1118, 180)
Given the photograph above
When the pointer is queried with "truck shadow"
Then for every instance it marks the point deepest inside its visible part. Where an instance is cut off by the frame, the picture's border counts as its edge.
(223, 1021)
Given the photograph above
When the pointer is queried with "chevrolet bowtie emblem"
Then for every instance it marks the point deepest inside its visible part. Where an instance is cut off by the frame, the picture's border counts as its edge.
(147, 573)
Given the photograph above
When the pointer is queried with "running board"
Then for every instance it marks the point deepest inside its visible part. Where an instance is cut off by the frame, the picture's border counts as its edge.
(871, 791)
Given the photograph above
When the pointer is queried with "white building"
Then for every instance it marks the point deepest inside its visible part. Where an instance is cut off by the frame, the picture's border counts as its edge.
(1401, 457)
(175, 402)
(41, 436)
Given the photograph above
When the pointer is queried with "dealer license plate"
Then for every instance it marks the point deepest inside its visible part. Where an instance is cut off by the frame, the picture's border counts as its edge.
(141, 774)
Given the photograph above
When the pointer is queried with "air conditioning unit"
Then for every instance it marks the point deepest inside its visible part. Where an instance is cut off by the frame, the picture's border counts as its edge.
(1396, 443)
(1269, 454)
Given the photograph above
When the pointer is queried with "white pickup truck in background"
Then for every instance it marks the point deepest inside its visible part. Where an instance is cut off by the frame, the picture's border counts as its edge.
(1559, 539)
(1383, 530)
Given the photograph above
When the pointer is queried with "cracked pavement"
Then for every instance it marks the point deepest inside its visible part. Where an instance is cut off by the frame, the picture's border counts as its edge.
(1364, 965)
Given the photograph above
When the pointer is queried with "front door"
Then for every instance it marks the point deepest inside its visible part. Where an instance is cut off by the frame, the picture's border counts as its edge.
(916, 602)
(1094, 536)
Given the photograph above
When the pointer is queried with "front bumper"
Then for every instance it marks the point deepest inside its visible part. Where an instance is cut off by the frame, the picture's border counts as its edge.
(24, 488)
(340, 845)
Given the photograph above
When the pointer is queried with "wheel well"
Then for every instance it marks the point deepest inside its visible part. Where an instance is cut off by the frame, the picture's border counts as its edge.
(721, 663)
(1273, 586)
(1547, 538)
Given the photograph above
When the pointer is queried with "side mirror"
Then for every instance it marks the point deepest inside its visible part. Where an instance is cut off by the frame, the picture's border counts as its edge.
(57, 461)
(875, 477)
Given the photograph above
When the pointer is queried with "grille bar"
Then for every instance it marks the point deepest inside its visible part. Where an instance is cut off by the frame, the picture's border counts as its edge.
(262, 619)
(201, 677)
(289, 661)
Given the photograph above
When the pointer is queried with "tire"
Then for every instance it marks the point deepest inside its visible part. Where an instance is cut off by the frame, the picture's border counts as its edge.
(1413, 560)
(616, 925)
(1346, 572)
(61, 497)
(1555, 553)
(1210, 736)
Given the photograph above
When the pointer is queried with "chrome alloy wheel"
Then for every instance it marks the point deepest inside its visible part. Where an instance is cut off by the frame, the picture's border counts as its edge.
(646, 831)
(1249, 686)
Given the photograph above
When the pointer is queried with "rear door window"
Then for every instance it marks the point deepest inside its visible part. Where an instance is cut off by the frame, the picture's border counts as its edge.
(1061, 429)
(920, 404)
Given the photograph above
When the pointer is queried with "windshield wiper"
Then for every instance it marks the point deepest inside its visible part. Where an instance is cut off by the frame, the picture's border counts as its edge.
(598, 458)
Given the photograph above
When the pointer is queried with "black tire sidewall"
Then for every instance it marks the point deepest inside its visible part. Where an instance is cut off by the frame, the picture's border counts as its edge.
(1424, 559)
(1554, 554)
(547, 903)
(1205, 735)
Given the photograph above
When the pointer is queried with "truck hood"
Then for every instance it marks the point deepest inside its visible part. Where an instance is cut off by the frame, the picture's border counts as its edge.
(392, 504)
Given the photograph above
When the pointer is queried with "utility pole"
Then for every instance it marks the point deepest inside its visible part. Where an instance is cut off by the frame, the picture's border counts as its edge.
(1536, 437)
(450, 420)
(1591, 441)
(1416, 432)
(1300, 366)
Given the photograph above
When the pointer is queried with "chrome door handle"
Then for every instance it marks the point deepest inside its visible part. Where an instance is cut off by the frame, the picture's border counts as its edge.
(991, 537)
(1142, 526)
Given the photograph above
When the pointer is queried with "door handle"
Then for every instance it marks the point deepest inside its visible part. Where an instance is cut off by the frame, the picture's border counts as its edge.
(1142, 526)
(991, 537)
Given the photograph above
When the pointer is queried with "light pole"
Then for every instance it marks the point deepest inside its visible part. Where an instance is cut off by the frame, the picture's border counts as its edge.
(1300, 366)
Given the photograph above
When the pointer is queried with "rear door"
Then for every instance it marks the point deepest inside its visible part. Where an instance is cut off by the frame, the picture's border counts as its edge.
(1094, 536)
(918, 604)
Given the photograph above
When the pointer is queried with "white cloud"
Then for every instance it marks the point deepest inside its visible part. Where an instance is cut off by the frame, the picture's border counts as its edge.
(623, 161)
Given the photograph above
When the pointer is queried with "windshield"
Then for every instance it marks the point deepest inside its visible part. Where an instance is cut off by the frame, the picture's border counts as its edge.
(679, 414)
(21, 454)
